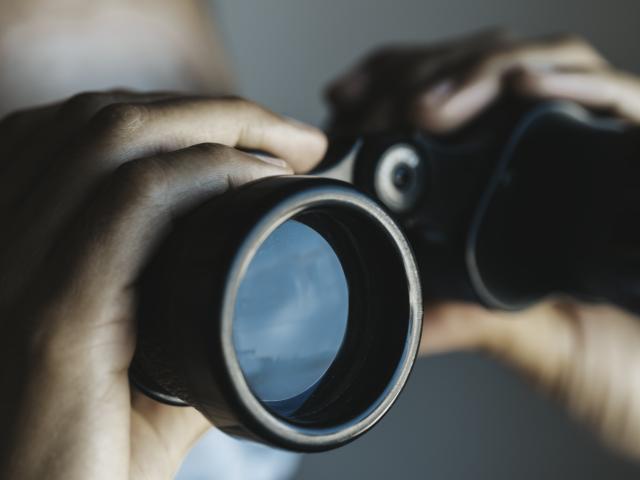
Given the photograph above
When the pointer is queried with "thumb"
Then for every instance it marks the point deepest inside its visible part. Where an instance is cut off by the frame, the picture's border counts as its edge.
(156, 427)
(584, 355)
(539, 341)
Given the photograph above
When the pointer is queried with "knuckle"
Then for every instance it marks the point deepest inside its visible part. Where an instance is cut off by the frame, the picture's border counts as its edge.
(572, 40)
(253, 115)
(576, 42)
(248, 107)
(570, 309)
(121, 120)
(140, 181)
(427, 116)
(527, 81)
(85, 103)
(211, 149)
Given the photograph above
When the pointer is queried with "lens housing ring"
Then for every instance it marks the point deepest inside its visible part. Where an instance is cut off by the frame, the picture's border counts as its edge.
(211, 377)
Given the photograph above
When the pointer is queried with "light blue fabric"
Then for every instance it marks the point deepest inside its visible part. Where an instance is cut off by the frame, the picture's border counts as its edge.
(220, 457)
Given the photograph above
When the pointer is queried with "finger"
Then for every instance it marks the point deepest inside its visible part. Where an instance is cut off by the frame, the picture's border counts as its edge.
(49, 121)
(388, 110)
(583, 355)
(351, 87)
(80, 108)
(30, 138)
(110, 239)
(126, 131)
(539, 341)
(40, 133)
(617, 92)
(442, 109)
(162, 428)
(395, 81)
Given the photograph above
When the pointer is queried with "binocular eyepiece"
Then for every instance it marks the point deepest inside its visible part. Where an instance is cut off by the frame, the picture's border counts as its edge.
(289, 310)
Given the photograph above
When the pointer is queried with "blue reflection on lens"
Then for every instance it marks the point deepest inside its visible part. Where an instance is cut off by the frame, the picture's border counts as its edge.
(291, 313)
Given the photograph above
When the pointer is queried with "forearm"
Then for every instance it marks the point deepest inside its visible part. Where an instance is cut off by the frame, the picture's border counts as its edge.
(149, 45)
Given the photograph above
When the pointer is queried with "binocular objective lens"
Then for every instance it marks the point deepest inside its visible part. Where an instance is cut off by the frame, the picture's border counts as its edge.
(291, 315)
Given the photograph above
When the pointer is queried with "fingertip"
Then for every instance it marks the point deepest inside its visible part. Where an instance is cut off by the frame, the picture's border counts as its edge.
(447, 107)
(428, 110)
(310, 149)
(319, 142)
(452, 326)
(577, 87)
(274, 161)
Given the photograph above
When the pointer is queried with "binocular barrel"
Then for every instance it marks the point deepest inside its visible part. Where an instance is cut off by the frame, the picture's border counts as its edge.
(289, 311)
(539, 201)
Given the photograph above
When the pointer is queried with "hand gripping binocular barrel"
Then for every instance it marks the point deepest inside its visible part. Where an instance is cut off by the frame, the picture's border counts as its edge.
(289, 311)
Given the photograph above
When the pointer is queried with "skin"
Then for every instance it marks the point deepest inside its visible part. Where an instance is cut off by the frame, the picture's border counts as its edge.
(143, 44)
(88, 186)
(103, 185)
(585, 356)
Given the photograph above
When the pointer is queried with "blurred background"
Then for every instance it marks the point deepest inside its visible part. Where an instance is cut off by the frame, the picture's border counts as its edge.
(461, 416)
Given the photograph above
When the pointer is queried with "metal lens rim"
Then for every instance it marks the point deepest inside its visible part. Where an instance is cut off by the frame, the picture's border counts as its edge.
(276, 429)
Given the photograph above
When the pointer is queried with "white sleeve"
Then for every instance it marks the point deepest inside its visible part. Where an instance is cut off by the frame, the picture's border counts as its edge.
(219, 456)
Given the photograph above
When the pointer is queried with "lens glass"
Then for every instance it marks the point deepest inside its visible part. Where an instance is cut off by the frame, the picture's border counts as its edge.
(291, 314)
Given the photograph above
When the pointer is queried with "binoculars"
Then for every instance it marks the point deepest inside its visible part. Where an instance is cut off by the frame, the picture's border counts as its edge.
(289, 311)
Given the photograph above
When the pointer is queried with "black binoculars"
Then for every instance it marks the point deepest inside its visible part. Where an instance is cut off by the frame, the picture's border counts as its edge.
(289, 311)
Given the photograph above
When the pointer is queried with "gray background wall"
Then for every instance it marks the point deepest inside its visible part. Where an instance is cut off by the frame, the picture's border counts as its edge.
(461, 416)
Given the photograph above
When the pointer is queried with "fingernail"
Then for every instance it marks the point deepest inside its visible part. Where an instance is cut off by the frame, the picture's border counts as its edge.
(439, 92)
(319, 137)
(278, 162)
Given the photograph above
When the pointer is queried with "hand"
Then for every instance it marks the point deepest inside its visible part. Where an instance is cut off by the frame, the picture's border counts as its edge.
(87, 188)
(587, 356)
(441, 88)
